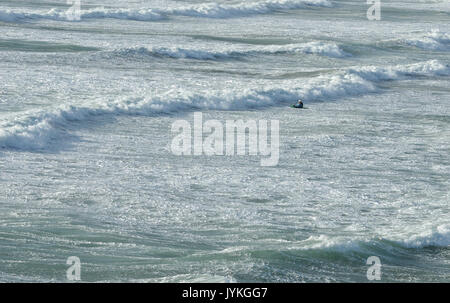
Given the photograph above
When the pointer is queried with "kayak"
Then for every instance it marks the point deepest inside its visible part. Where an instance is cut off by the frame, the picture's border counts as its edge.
(296, 106)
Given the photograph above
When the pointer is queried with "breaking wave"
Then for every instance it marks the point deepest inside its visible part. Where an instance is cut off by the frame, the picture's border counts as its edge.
(209, 10)
(435, 41)
(437, 237)
(36, 130)
(98, 13)
(319, 48)
(214, 10)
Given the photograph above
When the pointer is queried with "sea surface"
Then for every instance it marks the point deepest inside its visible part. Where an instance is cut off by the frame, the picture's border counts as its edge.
(86, 167)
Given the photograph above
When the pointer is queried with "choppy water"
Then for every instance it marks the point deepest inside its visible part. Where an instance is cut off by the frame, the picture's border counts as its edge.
(86, 169)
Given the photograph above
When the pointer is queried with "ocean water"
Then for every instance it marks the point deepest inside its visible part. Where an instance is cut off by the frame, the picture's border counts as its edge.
(86, 168)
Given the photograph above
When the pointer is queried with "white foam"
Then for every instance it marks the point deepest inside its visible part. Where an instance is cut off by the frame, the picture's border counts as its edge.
(397, 72)
(97, 13)
(435, 237)
(189, 278)
(36, 130)
(435, 41)
(214, 10)
(209, 10)
(317, 47)
(326, 242)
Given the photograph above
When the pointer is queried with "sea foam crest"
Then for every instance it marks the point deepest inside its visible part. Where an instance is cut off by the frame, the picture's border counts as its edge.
(97, 13)
(397, 72)
(439, 236)
(316, 47)
(214, 10)
(36, 130)
(435, 41)
(209, 10)
(436, 237)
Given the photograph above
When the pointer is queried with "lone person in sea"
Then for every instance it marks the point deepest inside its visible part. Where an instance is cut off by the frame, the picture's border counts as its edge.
(299, 104)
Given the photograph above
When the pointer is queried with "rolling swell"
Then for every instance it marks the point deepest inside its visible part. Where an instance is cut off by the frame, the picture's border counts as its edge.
(434, 41)
(305, 259)
(100, 13)
(318, 48)
(41, 46)
(436, 238)
(35, 131)
(210, 10)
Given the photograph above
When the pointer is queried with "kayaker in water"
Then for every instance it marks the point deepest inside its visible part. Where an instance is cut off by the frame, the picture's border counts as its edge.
(299, 104)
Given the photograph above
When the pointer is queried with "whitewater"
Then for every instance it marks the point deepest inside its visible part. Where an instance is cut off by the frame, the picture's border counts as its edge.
(86, 168)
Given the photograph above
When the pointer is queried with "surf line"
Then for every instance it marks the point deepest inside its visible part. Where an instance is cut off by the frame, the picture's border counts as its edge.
(192, 142)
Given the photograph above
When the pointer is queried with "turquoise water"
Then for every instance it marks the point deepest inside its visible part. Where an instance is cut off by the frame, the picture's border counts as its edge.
(87, 170)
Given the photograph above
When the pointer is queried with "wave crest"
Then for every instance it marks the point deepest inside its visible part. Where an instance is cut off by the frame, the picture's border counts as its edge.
(435, 41)
(214, 10)
(437, 237)
(36, 130)
(319, 48)
(210, 10)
